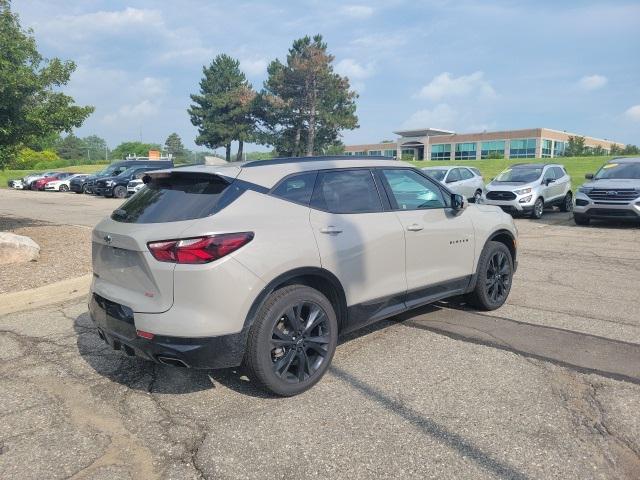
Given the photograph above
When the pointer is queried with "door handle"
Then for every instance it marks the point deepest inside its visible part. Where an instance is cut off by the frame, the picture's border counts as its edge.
(331, 230)
(415, 227)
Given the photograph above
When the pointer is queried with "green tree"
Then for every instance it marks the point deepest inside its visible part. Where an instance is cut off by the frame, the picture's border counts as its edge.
(96, 148)
(615, 149)
(222, 110)
(173, 145)
(304, 104)
(631, 150)
(575, 147)
(31, 105)
(71, 148)
(137, 149)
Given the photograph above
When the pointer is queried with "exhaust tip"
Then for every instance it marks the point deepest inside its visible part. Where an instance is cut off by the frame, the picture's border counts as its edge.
(173, 361)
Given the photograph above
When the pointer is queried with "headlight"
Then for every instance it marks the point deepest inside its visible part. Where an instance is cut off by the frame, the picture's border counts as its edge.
(522, 191)
(585, 189)
(525, 199)
(110, 183)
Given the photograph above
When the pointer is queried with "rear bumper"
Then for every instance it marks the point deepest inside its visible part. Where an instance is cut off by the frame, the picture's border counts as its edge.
(116, 326)
(74, 187)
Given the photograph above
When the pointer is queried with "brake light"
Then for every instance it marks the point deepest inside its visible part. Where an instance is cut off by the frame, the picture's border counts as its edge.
(200, 249)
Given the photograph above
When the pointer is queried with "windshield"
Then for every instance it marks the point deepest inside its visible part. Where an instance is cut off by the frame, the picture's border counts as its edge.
(128, 172)
(111, 171)
(619, 170)
(437, 174)
(520, 175)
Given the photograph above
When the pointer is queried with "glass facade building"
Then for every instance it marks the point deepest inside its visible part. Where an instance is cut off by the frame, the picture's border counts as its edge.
(437, 144)
(492, 149)
(466, 151)
(522, 148)
(441, 151)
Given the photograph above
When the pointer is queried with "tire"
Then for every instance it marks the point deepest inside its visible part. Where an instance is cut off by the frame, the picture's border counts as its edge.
(493, 277)
(581, 219)
(119, 192)
(64, 188)
(567, 203)
(538, 209)
(477, 196)
(274, 354)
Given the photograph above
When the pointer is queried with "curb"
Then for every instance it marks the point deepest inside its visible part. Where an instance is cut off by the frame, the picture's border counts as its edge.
(46, 295)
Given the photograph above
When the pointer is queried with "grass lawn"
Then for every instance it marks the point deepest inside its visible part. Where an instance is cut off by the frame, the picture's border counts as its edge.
(576, 166)
(6, 175)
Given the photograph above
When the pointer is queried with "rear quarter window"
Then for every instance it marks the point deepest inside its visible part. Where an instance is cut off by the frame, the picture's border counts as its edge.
(173, 198)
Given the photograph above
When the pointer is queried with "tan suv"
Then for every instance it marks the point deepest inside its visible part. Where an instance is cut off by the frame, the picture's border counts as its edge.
(265, 263)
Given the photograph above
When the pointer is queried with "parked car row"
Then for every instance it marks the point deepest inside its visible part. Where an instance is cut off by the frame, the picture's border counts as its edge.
(118, 180)
(528, 188)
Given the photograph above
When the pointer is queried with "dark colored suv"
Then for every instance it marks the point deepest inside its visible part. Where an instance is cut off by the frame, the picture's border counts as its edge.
(115, 169)
(116, 186)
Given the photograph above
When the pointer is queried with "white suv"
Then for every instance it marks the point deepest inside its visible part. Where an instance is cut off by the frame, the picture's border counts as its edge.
(530, 187)
(265, 263)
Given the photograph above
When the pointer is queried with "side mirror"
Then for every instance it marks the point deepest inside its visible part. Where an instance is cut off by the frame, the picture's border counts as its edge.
(458, 202)
(449, 180)
(548, 181)
(589, 176)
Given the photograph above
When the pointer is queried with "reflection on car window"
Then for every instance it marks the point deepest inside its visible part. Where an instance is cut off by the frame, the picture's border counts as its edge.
(520, 175)
(297, 188)
(454, 176)
(412, 191)
(465, 174)
(346, 191)
(437, 174)
(619, 170)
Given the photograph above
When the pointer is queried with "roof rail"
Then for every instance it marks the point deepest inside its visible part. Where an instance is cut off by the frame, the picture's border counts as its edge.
(317, 158)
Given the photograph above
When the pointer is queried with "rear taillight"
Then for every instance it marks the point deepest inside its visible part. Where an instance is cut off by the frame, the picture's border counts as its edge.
(200, 249)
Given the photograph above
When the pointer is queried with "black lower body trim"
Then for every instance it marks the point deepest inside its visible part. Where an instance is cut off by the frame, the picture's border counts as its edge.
(116, 327)
(363, 314)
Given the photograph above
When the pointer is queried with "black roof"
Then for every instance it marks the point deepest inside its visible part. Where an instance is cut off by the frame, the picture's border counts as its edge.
(316, 158)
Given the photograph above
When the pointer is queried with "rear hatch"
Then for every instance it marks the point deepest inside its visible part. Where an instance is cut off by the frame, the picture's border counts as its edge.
(124, 269)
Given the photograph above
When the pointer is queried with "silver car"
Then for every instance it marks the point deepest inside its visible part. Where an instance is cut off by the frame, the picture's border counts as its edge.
(465, 181)
(530, 187)
(613, 193)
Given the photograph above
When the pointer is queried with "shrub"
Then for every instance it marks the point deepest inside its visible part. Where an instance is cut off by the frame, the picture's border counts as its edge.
(28, 159)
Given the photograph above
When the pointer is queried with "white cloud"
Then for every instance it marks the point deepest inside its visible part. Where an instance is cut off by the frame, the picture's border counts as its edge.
(444, 85)
(104, 22)
(441, 116)
(633, 113)
(253, 67)
(592, 82)
(354, 70)
(357, 11)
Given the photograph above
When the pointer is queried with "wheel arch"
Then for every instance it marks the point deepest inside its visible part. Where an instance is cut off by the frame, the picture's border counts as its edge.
(315, 277)
(507, 238)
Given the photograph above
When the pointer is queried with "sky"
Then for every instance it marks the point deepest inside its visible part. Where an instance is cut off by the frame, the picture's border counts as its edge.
(461, 65)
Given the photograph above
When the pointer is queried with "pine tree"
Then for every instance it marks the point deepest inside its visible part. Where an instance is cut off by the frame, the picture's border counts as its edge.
(222, 110)
(304, 105)
(173, 145)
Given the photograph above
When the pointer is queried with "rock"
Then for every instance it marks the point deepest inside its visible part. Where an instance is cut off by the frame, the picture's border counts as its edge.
(17, 248)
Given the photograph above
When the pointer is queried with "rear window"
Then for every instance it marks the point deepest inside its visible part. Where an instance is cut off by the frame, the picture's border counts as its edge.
(179, 196)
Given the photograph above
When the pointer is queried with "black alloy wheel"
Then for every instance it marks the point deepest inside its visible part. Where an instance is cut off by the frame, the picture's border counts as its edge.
(498, 277)
(300, 340)
(292, 340)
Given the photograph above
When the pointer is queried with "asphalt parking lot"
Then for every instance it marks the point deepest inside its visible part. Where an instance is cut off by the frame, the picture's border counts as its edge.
(546, 387)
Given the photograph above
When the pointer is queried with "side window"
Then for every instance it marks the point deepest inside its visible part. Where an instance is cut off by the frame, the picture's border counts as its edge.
(549, 175)
(465, 173)
(454, 176)
(559, 172)
(297, 188)
(476, 171)
(412, 191)
(346, 191)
